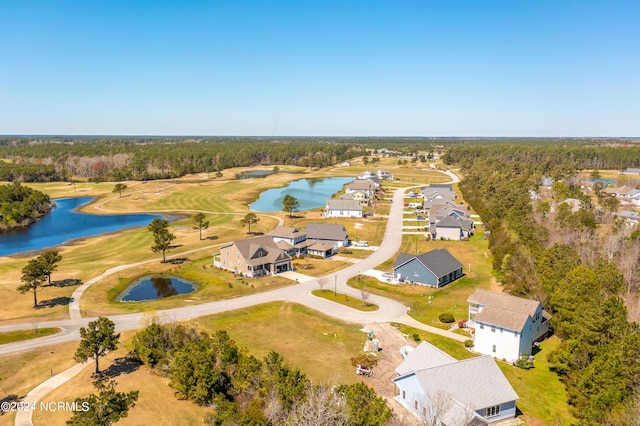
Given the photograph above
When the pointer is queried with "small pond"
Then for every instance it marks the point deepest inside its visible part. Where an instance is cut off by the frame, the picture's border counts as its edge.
(254, 174)
(152, 287)
(311, 194)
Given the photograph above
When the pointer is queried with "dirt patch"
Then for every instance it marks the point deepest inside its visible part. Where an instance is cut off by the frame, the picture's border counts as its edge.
(391, 340)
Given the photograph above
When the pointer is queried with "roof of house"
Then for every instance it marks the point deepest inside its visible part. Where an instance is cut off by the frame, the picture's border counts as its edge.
(423, 356)
(260, 250)
(503, 310)
(361, 184)
(326, 231)
(438, 261)
(476, 382)
(449, 222)
(285, 232)
(320, 246)
(334, 204)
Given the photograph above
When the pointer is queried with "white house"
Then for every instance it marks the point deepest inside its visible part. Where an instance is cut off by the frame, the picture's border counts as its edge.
(505, 326)
(343, 208)
(438, 389)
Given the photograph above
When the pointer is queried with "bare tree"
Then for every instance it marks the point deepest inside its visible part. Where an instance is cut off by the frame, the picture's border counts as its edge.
(321, 407)
(322, 283)
(365, 295)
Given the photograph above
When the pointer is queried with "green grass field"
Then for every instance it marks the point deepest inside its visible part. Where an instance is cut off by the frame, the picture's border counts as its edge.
(16, 336)
(343, 299)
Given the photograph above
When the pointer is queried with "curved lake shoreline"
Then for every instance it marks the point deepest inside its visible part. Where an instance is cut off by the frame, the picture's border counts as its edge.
(64, 224)
(312, 193)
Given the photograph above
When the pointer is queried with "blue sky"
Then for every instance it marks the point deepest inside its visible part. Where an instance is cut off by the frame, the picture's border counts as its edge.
(327, 68)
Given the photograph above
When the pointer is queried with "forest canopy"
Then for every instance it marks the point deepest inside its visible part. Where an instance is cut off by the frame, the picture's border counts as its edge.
(21, 205)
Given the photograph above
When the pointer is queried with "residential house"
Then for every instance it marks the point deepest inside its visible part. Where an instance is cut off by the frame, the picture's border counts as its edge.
(327, 233)
(435, 268)
(253, 257)
(449, 222)
(631, 171)
(629, 216)
(358, 196)
(290, 239)
(506, 326)
(366, 186)
(343, 208)
(633, 197)
(438, 389)
(384, 175)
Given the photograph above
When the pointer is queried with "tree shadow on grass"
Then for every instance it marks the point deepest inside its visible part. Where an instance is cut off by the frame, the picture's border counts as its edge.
(177, 260)
(69, 282)
(57, 301)
(8, 399)
(124, 365)
(212, 237)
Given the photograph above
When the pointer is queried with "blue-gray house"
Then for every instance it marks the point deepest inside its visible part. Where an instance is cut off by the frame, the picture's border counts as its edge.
(435, 268)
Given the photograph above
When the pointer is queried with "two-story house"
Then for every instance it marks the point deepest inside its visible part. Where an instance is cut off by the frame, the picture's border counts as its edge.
(441, 390)
(505, 326)
(253, 257)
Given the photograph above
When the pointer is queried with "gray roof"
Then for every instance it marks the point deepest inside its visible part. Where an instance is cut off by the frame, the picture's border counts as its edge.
(363, 184)
(326, 231)
(423, 356)
(503, 310)
(438, 261)
(334, 204)
(260, 250)
(475, 382)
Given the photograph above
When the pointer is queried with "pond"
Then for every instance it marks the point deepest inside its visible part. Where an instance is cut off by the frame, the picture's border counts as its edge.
(311, 194)
(254, 174)
(152, 287)
(64, 224)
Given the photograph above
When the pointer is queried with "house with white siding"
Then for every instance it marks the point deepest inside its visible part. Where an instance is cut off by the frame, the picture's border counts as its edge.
(343, 208)
(438, 389)
(505, 326)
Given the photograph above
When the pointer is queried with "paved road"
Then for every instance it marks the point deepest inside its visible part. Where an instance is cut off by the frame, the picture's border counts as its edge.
(389, 310)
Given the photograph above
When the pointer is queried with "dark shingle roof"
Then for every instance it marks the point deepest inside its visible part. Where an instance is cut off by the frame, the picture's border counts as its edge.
(438, 261)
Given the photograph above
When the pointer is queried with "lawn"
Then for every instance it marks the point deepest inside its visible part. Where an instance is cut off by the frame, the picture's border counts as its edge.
(16, 336)
(214, 284)
(451, 347)
(318, 267)
(343, 299)
(428, 303)
(318, 345)
(541, 393)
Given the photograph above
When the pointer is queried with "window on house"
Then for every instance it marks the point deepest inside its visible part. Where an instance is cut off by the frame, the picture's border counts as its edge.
(493, 411)
(404, 395)
(415, 404)
(227, 252)
(493, 329)
(494, 349)
(500, 329)
(482, 326)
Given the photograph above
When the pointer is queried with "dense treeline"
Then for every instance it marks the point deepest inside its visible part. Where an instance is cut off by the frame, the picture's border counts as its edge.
(21, 205)
(211, 370)
(39, 159)
(140, 159)
(556, 256)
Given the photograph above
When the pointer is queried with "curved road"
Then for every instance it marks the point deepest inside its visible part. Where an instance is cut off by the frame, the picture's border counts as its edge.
(389, 310)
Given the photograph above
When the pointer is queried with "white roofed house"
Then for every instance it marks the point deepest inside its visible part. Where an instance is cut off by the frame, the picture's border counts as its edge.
(440, 390)
(343, 208)
(506, 326)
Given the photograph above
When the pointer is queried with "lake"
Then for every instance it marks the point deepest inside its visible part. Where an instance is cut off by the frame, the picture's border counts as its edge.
(63, 224)
(311, 193)
(152, 287)
(254, 174)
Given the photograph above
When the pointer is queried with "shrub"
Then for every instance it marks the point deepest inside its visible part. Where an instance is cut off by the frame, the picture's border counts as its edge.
(468, 343)
(524, 362)
(446, 317)
(416, 337)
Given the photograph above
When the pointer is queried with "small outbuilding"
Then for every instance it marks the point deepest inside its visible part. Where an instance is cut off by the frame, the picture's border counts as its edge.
(435, 268)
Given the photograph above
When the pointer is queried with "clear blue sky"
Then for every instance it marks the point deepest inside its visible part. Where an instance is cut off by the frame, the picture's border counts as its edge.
(303, 67)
